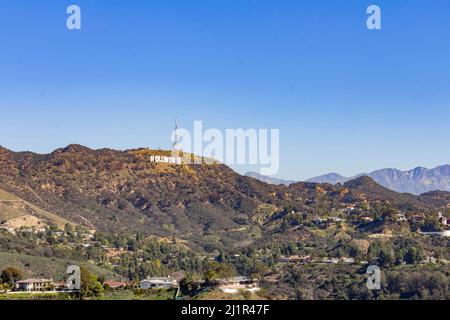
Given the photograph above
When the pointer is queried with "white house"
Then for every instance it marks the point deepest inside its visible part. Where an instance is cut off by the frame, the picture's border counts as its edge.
(158, 283)
(35, 285)
(233, 285)
(401, 217)
(445, 233)
(347, 260)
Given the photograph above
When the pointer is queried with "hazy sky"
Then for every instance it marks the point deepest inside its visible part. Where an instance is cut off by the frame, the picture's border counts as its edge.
(345, 99)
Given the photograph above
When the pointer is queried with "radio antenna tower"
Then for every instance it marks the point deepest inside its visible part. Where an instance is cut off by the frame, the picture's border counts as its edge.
(176, 138)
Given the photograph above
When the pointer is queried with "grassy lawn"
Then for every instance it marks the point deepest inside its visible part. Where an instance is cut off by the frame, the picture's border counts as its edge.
(148, 295)
(36, 296)
(109, 295)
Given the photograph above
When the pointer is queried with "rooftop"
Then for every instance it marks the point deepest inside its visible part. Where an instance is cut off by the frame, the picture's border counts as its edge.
(34, 281)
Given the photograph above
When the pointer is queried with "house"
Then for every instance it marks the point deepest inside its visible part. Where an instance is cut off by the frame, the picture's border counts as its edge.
(330, 261)
(295, 259)
(347, 260)
(158, 283)
(443, 219)
(233, 285)
(418, 218)
(115, 285)
(318, 221)
(35, 285)
(60, 286)
(401, 217)
(87, 236)
(349, 207)
(336, 219)
(430, 259)
(443, 234)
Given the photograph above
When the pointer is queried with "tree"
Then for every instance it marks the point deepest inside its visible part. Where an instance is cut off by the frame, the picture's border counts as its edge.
(11, 275)
(246, 294)
(259, 269)
(217, 270)
(432, 224)
(90, 285)
(190, 285)
(382, 252)
(413, 255)
(386, 257)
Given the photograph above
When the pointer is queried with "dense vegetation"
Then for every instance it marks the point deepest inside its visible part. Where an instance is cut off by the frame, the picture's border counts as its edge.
(122, 217)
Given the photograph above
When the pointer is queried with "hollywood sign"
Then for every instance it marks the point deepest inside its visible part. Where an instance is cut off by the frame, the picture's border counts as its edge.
(165, 159)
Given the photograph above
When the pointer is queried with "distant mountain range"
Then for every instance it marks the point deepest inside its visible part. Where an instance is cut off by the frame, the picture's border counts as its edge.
(416, 181)
(269, 180)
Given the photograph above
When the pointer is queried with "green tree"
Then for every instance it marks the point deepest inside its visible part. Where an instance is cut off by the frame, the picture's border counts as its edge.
(413, 255)
(90, 285)
(11, 275)
(217, 270)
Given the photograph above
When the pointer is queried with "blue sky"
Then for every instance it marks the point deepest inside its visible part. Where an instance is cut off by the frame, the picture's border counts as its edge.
(345, 99)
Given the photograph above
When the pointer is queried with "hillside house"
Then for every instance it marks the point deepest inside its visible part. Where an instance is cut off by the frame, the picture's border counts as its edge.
(319, 221)
(401, 217)
(443, 234)
(295, 259)
(35, 285)
(336, 219)
(443, 219)
(330, 261)
(60, 286)
(233, 285)
(159, 283)
(115, 285)
(347, 260)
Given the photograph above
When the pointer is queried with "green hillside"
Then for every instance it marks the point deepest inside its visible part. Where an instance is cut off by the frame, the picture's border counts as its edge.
(34, 266)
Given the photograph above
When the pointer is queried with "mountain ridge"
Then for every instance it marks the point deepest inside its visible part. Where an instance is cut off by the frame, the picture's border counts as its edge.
(416, 181)
(269, 180)
(116, 191)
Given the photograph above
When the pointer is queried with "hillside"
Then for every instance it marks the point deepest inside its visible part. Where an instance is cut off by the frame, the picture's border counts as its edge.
(123, 191)
(371, 190)
(47, 267)
(16, 213)
(155, 219)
